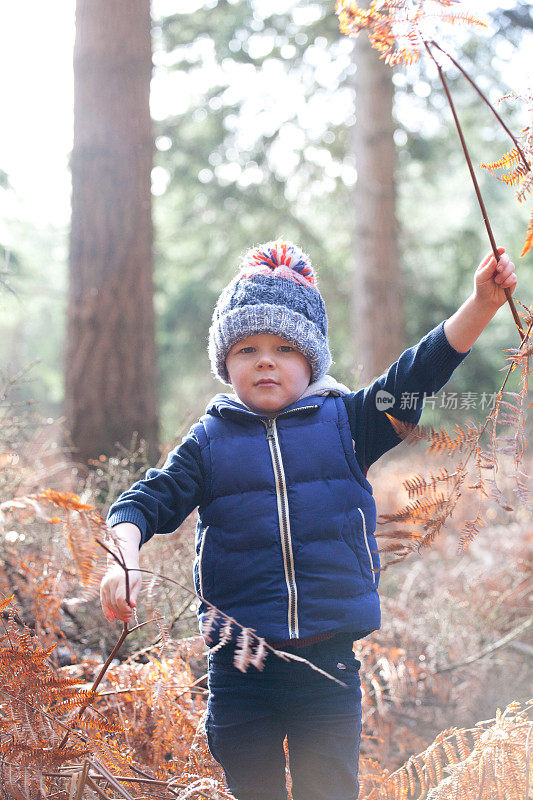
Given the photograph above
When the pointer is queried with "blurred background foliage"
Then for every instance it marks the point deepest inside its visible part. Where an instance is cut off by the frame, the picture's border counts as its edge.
(252, 116)
(253, 112)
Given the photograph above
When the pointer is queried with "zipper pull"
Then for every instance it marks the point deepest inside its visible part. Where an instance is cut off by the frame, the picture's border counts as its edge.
(269, 424)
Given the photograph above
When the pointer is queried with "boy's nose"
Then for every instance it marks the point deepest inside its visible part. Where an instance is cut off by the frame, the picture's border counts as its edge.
(265, 360)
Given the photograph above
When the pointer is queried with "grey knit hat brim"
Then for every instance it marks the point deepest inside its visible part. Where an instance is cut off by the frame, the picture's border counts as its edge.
(250, 320)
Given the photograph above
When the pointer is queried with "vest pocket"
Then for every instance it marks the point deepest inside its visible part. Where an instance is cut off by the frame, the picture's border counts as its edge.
(204, 578)
(362, 542)
(365, 536)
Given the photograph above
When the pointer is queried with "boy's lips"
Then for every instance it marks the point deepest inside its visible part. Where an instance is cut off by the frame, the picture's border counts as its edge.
(266, 382)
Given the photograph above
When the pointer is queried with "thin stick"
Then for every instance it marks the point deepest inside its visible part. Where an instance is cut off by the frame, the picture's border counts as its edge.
(81, 780)
(135, 689)
(112, 781)
(98, 775)
(490, 648)
(100, 675)
(525, 338)
(486, 101)
(100, 792)
(125, 632)
(527, 760)
(474, 181)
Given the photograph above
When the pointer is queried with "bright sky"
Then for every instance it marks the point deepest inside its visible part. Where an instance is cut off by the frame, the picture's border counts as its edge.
(36, 41)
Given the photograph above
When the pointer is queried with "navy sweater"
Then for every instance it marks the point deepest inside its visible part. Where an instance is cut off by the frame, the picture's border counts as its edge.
(166, 497)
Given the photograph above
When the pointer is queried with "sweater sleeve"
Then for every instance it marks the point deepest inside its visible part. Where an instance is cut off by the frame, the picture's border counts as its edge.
(420, 371)
(166, 496)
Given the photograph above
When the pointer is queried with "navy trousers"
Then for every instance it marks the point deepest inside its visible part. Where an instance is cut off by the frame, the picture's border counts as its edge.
(249, 714)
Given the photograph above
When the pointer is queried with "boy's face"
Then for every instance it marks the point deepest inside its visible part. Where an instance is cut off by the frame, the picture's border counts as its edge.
(267, 372)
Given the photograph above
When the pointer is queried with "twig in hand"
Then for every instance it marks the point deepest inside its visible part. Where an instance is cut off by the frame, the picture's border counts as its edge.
(99, 677)
(125, 631)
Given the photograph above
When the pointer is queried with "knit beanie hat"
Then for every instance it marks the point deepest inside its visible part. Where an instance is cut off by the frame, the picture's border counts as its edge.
(274, 292)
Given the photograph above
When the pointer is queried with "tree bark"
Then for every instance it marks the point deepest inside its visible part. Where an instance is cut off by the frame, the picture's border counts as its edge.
(110, 356)
(378, 325)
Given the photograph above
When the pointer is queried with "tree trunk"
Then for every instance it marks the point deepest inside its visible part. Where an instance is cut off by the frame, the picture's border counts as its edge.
(110, 358)
(378, 325)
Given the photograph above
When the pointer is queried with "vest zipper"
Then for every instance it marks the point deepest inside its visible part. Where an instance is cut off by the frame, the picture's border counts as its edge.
(367, 546)
(284, 526)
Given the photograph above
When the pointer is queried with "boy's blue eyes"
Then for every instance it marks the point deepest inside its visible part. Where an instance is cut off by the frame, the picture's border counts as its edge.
(285, 348)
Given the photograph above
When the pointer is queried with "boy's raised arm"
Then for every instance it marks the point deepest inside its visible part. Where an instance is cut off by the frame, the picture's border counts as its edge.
(425, 368)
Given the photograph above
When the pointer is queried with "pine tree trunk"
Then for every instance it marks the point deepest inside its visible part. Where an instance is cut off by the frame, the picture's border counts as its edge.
(378, 325)
(110, 358)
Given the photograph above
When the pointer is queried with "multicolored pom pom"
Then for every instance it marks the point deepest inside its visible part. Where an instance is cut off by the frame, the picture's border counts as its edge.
(284, 259)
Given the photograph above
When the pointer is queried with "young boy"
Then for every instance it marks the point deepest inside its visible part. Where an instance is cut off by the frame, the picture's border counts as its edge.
(285, 537)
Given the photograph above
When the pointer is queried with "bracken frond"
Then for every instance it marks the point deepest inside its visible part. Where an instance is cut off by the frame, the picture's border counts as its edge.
(414, 512)
(470, 531)
(81, 523)
(395, 27)
(5, 603)
(507, 161)
(243, 650)
(514, 177)
(463, 18)
(517, 355)
(529, 235)
(258, 657)
(79, 700)
(419, 485)
(79, 529)
(487, 761)
(163, 629)
(439, 440)
(226, 635)
(525, 188)
(96, 724)
(64, 500)
(209, 623)
(50, 682)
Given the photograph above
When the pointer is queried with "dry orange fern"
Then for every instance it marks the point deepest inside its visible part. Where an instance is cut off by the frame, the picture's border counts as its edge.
(492, 760)
(81, 523)
(418, 485)
(37, 705)
(396, 28)
(440, 441)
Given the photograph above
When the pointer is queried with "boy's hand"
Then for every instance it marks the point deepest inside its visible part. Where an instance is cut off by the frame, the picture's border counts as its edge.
(126, 539)
(491, 279)
(113, 593)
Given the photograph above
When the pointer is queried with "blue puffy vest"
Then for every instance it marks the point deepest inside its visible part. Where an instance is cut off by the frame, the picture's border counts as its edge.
(285, 536)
